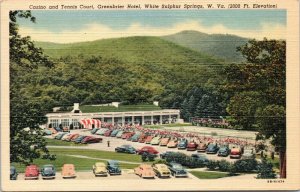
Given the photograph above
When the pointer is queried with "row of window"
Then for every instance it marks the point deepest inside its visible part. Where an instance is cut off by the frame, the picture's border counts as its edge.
(64, 122)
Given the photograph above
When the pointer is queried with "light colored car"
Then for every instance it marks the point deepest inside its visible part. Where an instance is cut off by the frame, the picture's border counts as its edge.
(164, 141)
(172, 144)
(66, 137)
(99, 169)
(161, 170)
(144, 171)
(68, 171)
(155, 141)
(248, 153)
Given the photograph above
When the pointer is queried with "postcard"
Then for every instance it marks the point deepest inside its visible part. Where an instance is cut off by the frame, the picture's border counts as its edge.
(149, 95)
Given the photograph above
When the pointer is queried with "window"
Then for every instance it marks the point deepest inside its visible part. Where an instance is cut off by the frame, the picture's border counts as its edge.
(54, 122)
(65, 122)
(75, 122)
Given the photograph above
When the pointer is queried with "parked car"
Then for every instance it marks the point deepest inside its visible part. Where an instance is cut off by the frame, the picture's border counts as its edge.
(248, 153)
(119, 134)
(32, 172)
(91, 139)
(224, 151)
(99, 169)
(147, 149)
(191, 146)
(161, 170)
(73, 136)
(48, 172)
(13, 173)
(212, 148)
(60, 135)
(172, 144)
(80, 138)
(135, 137)
(125, 149)
(155, 140)
(182, 143)
(202, 147)
(200, 157)
(47, 132)
(113, 167)
(177, 170)
(144, 171)
(101, 131)
(149, 139)
(166, 154)
(164, 141)
(114, 133)
(58, 129)
(93, 131)
(107, 133)
(66, 129)
(235, 153)
(66, 136)
(142, 138)
(127, 135)
(68, 171)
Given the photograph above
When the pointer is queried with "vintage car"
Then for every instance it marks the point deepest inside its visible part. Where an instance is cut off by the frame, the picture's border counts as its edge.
(191, 146)
(200, 157)
(80, 138)
(172, 143)
(182, 143)
(212, 148)
(72, 137)
(66, 129)
(91, 139)
(66, 137)
(224, 151)
(147, 149)
(101, 131)
(164, 141)
(32, 172)
(149, 139)
(202, 147)
(166, 154)
(60, 135)
(161, 170)
(155, 140)
(248, 153)
(177, 170)
(47, 132)
(99, 169)
(144, 171)
(75, 137)
(93, 131)
(127, 135)
(48, 172)
(107, 133)
(68, 171)
(235, 153)
(135, 137)
(113, 167)
(142, 138)
(125, 149)
(114, 132)
(119, 134)
(13, 173)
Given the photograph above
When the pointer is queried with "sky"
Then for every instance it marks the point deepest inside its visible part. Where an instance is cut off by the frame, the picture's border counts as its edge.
(79, 26)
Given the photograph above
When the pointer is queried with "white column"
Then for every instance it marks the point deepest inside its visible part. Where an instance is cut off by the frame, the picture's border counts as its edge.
(160, 119)
(143, 120)
(132, 120)
(113, 120)
(151, 123)
(123, 120)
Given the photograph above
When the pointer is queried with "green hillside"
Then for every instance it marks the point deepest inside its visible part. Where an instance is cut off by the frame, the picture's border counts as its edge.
(218, 45)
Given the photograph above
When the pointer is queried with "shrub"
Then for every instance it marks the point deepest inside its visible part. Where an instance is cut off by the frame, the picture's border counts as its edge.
(224, 165)
(265, 170)
(212, 165)
(245, 165)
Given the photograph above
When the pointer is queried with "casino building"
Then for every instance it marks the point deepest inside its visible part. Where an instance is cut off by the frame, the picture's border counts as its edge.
(76, 117)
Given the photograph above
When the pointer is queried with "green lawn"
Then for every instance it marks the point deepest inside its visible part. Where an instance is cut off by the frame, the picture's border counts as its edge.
(121, 108)
(83, 163)
(209, 175)
(168, 125)
(55, 142)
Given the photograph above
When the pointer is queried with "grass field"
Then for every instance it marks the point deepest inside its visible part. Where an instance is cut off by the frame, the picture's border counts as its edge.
(121, 108)
(209, 175)
(83, 163)
(55, 142)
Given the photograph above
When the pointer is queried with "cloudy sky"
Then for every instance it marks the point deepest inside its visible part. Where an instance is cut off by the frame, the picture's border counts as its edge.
(77, 26)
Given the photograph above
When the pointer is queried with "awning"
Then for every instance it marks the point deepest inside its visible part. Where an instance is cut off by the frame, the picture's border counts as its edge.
(88, 123)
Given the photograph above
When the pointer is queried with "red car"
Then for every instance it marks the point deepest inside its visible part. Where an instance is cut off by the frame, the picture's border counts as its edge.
(147, 149)
(192, 146)
(142, 138)
(107, 133)
(72, 136)
(32, 172)
(91, 139)
(148, 139)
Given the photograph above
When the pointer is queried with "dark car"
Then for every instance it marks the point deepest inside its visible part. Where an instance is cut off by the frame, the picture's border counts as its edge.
(166, 154)
(135, 137)
(114, 133)
(212, 148)
(147, 149)
(191, 146)
(91, 139)
(13, 173)
(79, 139)
(48, 172)
(200, 157)
(93, 131)
(58, 129)
(177, 170)
(224, 151)
(59, 136)
(113, 167)
(125, 149)
(182, 144)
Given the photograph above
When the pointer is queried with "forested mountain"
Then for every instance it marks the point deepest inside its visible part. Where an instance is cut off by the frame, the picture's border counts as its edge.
(217, 45)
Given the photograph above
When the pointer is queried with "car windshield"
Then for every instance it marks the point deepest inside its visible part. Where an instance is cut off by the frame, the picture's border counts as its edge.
(177, 167)
(248, 152)
(48, 168)
(211, 145)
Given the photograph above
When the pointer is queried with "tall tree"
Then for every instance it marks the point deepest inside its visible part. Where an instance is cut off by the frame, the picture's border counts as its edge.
(25, 112)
